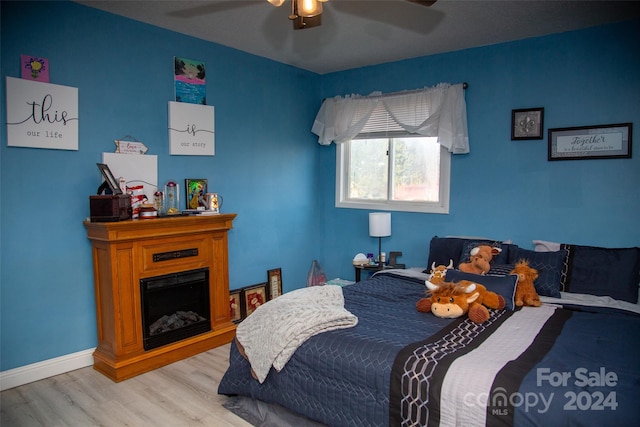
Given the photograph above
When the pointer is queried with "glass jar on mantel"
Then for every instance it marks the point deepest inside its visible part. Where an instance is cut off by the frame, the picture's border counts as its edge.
(172, 198)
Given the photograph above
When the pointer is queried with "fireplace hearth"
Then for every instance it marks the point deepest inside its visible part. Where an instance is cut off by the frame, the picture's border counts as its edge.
(174, 307)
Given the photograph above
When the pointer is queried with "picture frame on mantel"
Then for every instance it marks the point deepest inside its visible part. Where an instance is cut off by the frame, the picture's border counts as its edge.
(527, 123)
(590, 142)
(195, 189)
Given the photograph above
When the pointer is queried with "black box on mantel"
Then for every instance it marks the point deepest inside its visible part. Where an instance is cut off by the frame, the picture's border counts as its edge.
(111, 208)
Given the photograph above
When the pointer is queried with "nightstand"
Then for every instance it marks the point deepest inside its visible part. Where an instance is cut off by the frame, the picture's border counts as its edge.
(367, 267)
(372, 268)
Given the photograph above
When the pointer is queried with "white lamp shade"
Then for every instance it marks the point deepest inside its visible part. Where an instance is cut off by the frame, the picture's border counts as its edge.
(379, 224)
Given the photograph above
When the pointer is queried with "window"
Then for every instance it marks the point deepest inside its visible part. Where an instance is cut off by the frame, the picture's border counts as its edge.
(394, 151)
(402, 173)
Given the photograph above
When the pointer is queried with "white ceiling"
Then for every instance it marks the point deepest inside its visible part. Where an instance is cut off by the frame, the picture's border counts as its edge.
(357, 33)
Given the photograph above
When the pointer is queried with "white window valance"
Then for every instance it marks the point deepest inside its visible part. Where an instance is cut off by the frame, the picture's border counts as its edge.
(438, 111)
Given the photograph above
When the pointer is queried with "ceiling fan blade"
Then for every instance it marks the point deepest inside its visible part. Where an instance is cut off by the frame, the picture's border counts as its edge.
(205, 8)
(422, 2)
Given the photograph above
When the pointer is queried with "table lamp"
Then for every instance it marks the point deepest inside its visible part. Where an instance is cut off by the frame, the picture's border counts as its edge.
(379, 226)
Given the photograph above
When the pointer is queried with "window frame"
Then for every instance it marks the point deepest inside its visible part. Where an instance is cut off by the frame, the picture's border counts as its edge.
(342, 182)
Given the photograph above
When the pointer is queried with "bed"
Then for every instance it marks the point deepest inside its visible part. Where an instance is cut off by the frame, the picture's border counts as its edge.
(571, 361)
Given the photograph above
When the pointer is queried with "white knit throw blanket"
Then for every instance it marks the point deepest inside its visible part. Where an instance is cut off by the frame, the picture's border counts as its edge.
(273, 332)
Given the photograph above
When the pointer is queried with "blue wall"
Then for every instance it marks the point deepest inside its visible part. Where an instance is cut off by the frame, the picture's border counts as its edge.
(507, 189)
(265, 163)
(272, 172)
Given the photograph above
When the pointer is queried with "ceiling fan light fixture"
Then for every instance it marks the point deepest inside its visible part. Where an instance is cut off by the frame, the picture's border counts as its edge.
(308, 8)
(276, 3)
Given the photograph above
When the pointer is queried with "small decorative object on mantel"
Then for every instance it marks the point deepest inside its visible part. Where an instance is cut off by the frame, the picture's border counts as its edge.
(158, 202)
(213, 202)
(171, 198)
(110, 204)
(590, 142)
(147, 211)
(527, 123)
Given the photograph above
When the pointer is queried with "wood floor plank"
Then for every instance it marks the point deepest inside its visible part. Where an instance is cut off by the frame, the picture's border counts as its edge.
(181, 394)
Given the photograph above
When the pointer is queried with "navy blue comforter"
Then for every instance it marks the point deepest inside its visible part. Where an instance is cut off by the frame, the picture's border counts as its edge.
(343, 377)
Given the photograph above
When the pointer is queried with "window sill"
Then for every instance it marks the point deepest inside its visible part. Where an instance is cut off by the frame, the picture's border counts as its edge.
(395, 206)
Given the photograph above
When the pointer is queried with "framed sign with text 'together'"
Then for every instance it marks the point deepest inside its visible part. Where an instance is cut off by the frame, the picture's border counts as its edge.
(590, 142)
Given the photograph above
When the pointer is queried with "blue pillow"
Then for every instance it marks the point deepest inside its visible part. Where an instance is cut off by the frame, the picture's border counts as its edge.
(501, 269)
(549, 266)
(613, 272)
(501, 285)
(443, 249)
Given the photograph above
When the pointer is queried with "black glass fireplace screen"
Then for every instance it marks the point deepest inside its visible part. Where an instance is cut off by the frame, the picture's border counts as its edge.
(174, 307)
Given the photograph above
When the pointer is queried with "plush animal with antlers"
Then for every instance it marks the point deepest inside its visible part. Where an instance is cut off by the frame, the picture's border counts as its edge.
(526, 294)
(451, 300)
(438, 273)
(480, 259)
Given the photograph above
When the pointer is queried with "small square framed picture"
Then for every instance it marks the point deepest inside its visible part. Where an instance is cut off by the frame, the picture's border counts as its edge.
(235, 306)
(274, 280)
(253, 297)
(527, 123)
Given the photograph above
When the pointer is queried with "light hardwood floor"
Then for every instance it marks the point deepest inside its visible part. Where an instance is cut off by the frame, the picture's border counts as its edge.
(181, 394)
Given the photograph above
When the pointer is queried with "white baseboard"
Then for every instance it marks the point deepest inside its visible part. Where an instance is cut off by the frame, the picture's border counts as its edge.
(45, 369)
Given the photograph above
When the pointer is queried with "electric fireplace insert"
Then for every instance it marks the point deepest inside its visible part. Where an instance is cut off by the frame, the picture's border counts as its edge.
(174, 307)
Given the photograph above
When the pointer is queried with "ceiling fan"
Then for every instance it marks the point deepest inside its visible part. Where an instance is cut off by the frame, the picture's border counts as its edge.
(308, 13)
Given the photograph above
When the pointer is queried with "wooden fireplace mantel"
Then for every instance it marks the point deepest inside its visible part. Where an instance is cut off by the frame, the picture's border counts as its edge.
(125, 252)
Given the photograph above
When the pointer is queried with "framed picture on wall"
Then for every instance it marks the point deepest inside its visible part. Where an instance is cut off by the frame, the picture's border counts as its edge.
(253, 297)
(274, 280)
(235, 306)
(195, 189)
(527, 123)
(590, 142)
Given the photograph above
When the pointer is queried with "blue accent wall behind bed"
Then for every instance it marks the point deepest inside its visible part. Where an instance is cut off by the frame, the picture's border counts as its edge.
(507, 189)
(272, 172)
